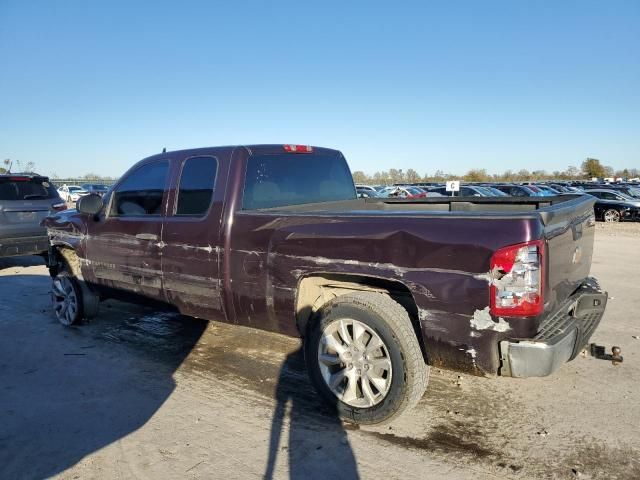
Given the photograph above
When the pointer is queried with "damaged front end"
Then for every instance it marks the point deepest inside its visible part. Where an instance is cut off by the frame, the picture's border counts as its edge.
(560, 337)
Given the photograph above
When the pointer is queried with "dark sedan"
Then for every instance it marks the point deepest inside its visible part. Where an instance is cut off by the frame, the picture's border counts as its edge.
(615, 206)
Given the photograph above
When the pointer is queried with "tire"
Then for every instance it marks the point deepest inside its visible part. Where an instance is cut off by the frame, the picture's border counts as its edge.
(66, 299)
(366, 382)
(611, 215)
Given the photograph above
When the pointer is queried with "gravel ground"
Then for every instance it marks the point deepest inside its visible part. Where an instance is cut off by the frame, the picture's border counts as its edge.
(144, 394)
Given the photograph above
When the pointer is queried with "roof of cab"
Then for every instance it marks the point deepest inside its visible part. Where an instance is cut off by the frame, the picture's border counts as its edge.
(256, 149)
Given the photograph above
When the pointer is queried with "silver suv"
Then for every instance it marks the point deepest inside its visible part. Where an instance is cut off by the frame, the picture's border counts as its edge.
(25, 200)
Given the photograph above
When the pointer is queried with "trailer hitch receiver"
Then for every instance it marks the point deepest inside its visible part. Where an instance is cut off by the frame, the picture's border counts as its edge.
(598, 351)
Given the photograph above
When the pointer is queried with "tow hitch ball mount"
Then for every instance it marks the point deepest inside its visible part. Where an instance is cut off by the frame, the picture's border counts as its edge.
(598, 351)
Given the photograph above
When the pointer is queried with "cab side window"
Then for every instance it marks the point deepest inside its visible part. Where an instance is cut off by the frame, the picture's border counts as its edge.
(196, 185)
(142, 192)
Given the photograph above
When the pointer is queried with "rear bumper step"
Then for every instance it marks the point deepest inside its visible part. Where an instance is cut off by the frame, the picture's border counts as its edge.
(560, 337)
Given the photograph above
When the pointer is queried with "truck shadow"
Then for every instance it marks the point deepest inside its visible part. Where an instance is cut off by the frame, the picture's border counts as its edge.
(66, 393)
(23, 261)
(317, 444)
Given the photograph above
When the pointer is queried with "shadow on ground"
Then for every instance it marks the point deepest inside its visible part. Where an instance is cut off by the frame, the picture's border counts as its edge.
(323, 453)
(66, 393)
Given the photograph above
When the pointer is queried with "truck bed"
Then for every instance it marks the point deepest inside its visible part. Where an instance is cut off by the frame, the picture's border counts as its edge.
(545, 208)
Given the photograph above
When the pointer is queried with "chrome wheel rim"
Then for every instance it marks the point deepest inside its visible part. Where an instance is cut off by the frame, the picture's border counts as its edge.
(611, 216)
(65, 300)
(354, 363)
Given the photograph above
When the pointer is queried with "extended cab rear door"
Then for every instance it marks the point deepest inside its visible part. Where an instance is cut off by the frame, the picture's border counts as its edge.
(191, 236)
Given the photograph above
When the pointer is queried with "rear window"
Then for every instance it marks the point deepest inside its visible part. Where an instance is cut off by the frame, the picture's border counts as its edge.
(196, 185)
(26, 189)
(294, 179)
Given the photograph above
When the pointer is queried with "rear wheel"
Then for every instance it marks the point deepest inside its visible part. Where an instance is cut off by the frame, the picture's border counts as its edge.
(364, 358)
(611, 215)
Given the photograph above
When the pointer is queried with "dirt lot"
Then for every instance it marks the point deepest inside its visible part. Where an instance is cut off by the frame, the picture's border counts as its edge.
(142, 394)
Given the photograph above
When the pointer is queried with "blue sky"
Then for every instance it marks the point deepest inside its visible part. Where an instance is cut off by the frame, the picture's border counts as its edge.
(450, 85)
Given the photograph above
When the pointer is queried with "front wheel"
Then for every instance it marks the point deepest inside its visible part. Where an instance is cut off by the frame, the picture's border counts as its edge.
(612, 215)
(66, 298)
(364, 358)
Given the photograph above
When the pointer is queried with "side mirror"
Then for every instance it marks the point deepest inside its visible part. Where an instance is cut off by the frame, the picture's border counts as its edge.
(90, 204)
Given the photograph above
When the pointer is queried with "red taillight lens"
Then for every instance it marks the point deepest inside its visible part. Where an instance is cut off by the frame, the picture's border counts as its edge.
(298, 149)
(517, 273)
(59, 206)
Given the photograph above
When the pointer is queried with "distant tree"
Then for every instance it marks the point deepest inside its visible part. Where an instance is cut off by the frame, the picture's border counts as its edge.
(358, 177)
(608, 171)
(592, 167)
(523, 174)
(571, 172)
(624, 173)
(476, 175)
(3, 170)
(380, 178)
(396, 176)
(539, 175)
(439, 176)
(411, 176)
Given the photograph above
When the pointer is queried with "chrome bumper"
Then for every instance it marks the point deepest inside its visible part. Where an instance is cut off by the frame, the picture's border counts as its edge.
(560, 337)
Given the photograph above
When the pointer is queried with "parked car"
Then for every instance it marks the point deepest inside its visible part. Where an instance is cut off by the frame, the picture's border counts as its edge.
(465, 191)
(399, 191)
(367, 193)
(274, 237)
(71, 193)
(549, 190)
(613, 206)
(25, 200)
(97, 188)
(518, 190)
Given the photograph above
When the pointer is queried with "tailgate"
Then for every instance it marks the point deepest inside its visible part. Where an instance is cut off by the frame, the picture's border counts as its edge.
(569, 231)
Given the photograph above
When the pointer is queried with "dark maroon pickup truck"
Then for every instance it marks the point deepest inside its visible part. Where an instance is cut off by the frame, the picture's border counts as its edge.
(274, 237)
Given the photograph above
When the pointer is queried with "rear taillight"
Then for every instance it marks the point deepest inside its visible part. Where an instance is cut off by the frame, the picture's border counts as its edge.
(517, 276)
(59, 206)
(298, 149)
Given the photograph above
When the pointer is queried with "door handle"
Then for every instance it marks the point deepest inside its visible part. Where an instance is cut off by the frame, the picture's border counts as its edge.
(147, 236)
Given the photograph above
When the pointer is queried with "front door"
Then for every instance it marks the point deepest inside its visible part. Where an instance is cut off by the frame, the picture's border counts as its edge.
(123, 249)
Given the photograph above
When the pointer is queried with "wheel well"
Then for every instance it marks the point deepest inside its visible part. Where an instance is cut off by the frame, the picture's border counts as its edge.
(63, 257)
(314, 291)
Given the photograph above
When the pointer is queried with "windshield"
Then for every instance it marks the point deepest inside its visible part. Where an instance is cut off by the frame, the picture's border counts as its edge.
(624, 196)
(15, 188)
(414, 190)
(295, 179)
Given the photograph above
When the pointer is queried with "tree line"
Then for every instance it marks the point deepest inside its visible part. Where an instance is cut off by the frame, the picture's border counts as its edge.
(590, 168)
